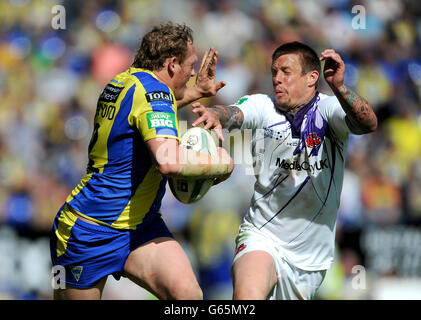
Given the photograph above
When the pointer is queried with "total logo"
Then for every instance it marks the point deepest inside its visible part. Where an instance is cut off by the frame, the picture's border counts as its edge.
(159, 95)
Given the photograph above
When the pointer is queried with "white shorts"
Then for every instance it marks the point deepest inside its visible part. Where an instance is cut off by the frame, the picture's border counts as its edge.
(293, 283)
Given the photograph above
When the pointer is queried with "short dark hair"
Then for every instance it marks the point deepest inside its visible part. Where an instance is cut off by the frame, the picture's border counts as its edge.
(309, 59)
(162, 42)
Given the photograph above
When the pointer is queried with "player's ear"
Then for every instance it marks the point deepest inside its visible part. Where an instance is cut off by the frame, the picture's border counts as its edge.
(312, 78)
(171, 65)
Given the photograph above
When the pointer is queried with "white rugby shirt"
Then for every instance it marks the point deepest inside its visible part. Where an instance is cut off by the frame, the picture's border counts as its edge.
(299, 164)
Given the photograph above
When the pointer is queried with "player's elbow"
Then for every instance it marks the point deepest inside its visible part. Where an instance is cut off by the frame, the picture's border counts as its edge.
(362, 127)
(168, 169)
(166, 156)
(371, 125)
(360, 130)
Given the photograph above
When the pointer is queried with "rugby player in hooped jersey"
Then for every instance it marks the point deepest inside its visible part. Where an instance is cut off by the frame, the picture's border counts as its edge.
(286, 241)
(111, 222)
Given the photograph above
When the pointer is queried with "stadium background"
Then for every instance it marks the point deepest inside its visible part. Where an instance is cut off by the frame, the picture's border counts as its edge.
(50, 80)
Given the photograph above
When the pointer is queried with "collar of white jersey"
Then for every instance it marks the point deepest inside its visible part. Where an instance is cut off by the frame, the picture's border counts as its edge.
(297, 119)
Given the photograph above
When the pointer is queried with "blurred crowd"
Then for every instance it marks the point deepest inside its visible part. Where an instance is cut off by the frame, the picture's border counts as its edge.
(50, 79)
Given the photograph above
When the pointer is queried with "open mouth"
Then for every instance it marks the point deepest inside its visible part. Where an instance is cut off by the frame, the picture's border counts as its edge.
(280, 94)
(280, 91)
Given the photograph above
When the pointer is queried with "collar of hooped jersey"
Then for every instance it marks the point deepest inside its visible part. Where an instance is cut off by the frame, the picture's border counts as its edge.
(297, 119)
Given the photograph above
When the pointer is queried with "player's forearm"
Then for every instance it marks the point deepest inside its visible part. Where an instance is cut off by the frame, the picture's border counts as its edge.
(229, 117)
(360, 115)
(196, 164)
(192, 164)
(172, 160)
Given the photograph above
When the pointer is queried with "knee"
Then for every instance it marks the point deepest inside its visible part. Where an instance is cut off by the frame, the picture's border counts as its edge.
(184, 290)
(248, 293)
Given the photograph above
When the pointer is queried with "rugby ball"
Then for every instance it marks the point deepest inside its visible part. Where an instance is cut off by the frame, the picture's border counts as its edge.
(192, 190)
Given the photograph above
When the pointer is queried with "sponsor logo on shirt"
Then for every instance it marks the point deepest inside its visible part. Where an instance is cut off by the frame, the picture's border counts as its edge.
(110, 93)
(305, 165)
(161, 119)
(159, 96)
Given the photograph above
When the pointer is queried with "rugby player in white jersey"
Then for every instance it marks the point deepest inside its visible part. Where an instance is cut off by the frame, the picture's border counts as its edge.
(286, 241)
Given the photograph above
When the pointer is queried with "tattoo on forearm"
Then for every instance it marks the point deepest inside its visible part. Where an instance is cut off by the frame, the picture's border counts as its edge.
(230, 117)
(358, 110)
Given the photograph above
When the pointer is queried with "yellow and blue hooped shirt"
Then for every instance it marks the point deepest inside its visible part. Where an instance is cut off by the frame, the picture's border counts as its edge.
(122, 187)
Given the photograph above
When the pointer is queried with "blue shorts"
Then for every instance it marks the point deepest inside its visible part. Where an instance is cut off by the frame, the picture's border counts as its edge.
(90, 252)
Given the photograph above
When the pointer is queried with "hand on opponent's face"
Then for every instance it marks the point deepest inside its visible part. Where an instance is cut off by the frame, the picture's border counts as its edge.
(205, 80)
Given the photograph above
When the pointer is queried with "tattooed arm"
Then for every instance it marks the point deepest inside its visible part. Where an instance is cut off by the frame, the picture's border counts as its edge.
(218, 117)
(229, 117)
(360, 117)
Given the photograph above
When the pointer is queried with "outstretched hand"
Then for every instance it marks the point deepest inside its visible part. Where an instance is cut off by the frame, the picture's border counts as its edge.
(334, 69)
(205, 80)
(206, 116)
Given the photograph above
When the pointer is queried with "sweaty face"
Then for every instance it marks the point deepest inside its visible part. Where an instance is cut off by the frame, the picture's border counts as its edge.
(289, 84)
(184, 71)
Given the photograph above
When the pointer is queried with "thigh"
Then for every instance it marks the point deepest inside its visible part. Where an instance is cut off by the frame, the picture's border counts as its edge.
(254, 275)
(295, 283)
(308, 282)
(93, 293)
(254, 268)
(162, 267)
